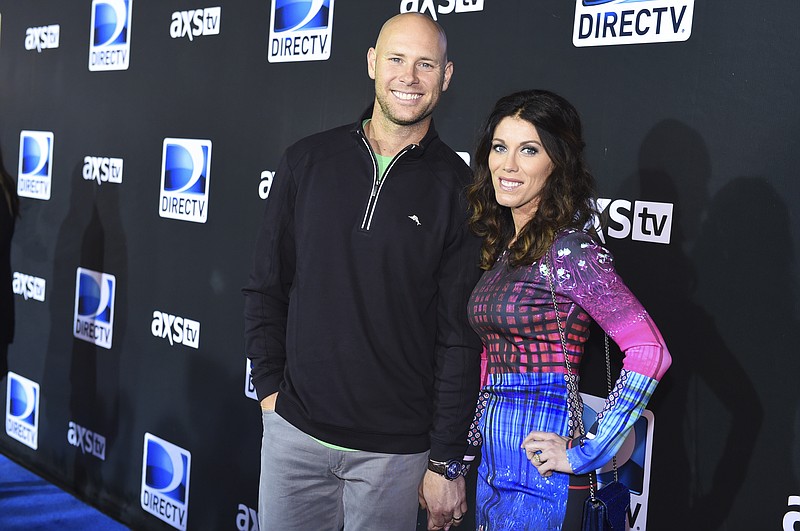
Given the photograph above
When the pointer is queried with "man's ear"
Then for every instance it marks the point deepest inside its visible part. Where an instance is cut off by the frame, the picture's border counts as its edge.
(371, 62)
(448, 73)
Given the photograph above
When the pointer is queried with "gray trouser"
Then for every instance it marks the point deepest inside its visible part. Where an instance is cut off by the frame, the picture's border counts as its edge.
(305, 485)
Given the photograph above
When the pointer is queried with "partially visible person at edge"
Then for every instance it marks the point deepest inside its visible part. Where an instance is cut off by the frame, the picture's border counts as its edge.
(9, 211)
(532, 203)
(355, 310)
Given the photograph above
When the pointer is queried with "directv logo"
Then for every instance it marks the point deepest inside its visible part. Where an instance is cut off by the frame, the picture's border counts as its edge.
(35, 164)
(42, 38)
(249, 388)
(22, 410)
(633, 459)
(300, 31)
(195, 22)
(28, 286)
(644, 221)
(94, 307)
(185, 173)
(110, 41)
(610, 22)
(176, 329)
(102, 169)
(165, 481)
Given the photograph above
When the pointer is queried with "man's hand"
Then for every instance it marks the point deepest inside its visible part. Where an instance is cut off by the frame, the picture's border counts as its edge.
(445, 501)
(268, 404)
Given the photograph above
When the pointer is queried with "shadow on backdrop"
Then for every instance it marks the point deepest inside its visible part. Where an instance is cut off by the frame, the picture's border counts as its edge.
(82, 379)
(707, 413)
(745, 261)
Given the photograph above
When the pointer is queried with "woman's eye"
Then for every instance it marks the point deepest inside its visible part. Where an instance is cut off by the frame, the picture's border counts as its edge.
(499, 148)
(529, 150)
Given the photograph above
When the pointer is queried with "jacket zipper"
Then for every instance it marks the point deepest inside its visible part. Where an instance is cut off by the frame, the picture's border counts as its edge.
(366, 223)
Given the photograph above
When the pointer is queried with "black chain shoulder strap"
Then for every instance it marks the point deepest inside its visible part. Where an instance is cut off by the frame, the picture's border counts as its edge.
(573, 395)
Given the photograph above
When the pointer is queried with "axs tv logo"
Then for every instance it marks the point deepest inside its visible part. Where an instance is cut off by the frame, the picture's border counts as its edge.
(644, 221)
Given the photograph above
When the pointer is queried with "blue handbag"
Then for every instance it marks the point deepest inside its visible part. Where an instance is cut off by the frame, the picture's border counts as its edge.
(607, 508)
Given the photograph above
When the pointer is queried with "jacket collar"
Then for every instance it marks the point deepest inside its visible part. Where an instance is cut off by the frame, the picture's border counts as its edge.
(426, 141)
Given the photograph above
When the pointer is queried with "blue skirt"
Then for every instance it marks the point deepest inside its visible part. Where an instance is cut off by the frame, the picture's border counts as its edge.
(511, 494)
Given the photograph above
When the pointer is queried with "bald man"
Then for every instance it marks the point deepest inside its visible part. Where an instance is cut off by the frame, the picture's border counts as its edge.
(355, 310)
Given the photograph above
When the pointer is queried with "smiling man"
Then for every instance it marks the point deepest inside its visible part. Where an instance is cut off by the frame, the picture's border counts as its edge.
(355, 310)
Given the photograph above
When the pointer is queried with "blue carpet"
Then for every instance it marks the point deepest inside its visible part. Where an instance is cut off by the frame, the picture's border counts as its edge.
(28, 502)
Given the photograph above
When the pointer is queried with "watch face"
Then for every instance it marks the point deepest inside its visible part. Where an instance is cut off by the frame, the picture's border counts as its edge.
(453, 470)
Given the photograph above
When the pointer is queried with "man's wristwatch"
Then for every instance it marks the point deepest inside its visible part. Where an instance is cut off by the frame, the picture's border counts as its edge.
(449, 469)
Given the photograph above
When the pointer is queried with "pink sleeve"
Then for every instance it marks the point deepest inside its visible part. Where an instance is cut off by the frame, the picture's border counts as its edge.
(585, 273)
(644, 348)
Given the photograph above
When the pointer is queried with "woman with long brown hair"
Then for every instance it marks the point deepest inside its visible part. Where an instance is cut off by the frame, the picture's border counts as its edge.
(533, 204)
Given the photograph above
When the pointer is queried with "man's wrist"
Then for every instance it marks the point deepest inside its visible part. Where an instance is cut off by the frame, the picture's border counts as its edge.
(450, 469)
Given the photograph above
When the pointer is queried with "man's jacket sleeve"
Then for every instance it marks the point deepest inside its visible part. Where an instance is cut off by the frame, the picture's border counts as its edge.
(457, 355)
(267, 291)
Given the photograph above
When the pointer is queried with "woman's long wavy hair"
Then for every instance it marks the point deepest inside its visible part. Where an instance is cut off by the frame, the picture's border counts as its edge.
(565, 201)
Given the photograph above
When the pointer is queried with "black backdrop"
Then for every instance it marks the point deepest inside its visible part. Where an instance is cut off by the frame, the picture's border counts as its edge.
(706, 122)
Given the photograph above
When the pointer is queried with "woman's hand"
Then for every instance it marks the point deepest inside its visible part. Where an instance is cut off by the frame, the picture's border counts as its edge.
(547, 452)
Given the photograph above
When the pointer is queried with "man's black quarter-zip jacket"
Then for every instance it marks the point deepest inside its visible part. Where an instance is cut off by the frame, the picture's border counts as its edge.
(356, 307)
